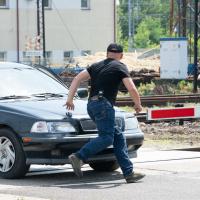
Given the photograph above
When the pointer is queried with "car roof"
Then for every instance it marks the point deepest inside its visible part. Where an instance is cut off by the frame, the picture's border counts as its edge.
(8, 65)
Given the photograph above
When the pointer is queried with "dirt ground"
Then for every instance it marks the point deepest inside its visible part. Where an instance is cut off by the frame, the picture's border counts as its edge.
(171, 135)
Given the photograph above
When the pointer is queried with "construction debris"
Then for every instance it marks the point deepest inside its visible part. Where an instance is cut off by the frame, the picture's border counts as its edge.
(129, 59)
(141, 70)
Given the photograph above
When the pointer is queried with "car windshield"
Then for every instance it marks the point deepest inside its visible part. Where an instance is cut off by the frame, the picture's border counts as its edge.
(28, 81)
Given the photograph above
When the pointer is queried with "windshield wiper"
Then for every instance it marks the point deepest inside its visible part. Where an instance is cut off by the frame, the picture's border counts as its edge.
(47, 95)
(14, 97)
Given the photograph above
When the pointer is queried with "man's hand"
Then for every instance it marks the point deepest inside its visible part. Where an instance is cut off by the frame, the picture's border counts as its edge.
(69, 105)
(138, 108)
(82, 76)
(130, 86)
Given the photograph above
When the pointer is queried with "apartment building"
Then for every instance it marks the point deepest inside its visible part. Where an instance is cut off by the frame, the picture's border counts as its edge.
(72, 28)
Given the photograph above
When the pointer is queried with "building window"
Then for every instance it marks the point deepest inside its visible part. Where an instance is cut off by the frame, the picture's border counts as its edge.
(3, 3)
(26, 59)
(3, 56)
(68, 56)
(48, 56)
(85, 4)
(24, 54)
(85, 52)
(47, 4)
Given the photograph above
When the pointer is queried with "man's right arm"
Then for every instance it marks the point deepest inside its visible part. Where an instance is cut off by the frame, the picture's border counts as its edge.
(130, 86)
(82, 76)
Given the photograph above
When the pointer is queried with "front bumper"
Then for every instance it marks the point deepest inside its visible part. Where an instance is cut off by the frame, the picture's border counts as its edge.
(55, 148)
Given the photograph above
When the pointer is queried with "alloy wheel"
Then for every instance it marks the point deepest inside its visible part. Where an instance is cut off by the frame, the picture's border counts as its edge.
(7, 154)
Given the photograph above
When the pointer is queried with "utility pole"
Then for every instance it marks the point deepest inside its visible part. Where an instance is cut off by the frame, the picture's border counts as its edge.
(182, 15)
(179, 18)
(196, 14)
(114, 12)
(41, 28)
(130, 26)
(17, 28)
(183, 19)
(171, 22)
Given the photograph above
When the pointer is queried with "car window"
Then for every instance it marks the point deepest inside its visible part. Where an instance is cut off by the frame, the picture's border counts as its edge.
(28, 81)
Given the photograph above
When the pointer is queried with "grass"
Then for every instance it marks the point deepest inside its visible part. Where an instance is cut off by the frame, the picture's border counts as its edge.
(127, 108)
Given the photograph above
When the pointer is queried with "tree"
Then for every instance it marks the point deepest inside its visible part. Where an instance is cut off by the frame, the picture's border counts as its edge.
(145, 11)
(148, 34)
(123, 19)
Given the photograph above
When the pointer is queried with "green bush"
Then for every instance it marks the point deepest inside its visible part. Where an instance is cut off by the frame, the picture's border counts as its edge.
(164, 88)
(184, 87)
(146, 89)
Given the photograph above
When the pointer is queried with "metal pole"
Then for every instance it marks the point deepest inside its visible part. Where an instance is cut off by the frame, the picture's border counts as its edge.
(190, 41)
(195, 45)
(129, 25)
(38, 18)
(17, 24)
(171, 23)
(184, 18)
(114, 10)
(133, 25)
(43, 27)
(38, 26)
(179, 18)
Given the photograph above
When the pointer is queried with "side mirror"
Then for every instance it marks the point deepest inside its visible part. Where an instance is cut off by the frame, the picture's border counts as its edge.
(82, 92)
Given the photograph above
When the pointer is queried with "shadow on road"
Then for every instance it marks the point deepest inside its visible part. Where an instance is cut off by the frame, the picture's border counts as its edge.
(65, 178)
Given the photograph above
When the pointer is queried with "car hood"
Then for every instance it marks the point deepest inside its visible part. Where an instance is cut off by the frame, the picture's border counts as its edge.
(47, 109)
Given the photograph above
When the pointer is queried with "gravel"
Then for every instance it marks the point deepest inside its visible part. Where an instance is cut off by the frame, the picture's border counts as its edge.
(167, 135)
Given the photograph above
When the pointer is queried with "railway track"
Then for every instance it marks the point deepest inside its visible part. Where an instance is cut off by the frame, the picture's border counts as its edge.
(159, 100)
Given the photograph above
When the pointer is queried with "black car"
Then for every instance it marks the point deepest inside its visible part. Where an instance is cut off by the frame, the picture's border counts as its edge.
(35, 127)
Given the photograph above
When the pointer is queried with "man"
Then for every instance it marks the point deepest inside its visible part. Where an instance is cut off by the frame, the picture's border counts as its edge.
(105, 78)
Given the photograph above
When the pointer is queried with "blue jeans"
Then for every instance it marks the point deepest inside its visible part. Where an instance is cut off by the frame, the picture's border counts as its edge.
(103, 114)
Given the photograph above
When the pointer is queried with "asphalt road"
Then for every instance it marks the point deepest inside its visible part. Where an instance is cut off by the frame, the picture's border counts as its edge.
(170, 175)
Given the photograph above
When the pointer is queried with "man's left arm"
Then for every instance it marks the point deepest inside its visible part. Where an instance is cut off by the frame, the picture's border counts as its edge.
(130, 86)
(82, 76)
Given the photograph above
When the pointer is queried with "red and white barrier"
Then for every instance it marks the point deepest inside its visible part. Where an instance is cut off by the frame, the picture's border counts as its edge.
(173, 113)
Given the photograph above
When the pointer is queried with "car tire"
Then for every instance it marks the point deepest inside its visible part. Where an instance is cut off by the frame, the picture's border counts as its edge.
(106, 166)
(12, 157)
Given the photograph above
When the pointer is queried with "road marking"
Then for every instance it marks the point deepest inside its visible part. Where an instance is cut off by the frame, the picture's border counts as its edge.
(101, 184)
(16, 197)
(9, 187)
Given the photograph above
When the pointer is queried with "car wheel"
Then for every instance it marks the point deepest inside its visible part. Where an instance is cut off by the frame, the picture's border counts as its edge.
(107, 166)
(12, 157)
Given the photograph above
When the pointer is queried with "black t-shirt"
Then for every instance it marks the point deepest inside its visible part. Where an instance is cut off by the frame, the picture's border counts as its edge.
(106, 76)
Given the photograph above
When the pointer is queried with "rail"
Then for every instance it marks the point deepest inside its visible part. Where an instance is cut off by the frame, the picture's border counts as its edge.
(160, 100)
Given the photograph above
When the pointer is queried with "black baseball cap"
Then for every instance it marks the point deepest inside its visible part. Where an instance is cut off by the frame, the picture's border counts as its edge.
(115, 48)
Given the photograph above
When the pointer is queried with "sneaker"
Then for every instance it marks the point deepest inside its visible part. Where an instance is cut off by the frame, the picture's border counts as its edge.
(134, 177)
(76, 164)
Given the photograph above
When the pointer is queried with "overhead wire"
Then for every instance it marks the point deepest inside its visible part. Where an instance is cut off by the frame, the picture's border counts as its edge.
(66, 26)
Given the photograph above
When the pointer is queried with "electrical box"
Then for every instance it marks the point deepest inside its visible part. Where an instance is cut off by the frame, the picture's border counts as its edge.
(173, 58)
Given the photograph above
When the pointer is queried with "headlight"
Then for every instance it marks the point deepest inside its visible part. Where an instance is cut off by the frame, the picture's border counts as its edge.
(60, 127)
(39, 127)
(131, 123)
(52, 127)
(119, 122)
